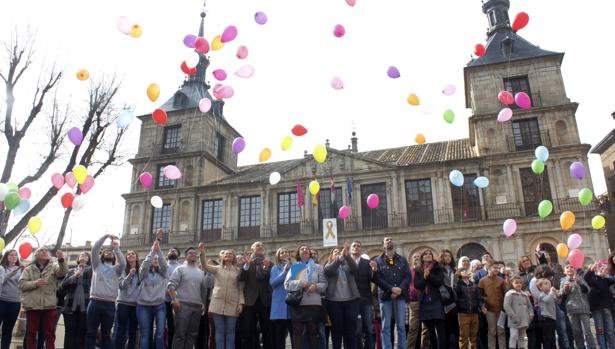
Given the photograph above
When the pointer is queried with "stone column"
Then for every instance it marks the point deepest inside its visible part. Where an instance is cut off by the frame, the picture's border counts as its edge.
(511, 184)
(265, 213)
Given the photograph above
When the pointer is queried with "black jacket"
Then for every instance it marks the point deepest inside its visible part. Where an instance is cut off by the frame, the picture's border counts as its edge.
(256, 287)
(599, 294)
(468, 296)
(431, 307)
(364, 278)
(69, 284)
(395, 274)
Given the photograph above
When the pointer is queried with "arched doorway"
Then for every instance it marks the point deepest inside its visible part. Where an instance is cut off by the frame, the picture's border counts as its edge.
(471, 250)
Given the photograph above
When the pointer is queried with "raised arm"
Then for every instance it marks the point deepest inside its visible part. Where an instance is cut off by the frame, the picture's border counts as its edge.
(147, 263)
(60, 268)
(119, 269)
(164, 266)
(331, 268)
(96, 250)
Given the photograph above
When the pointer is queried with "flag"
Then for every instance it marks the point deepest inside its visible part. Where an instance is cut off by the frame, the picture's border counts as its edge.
(300, 198)
(349, 188)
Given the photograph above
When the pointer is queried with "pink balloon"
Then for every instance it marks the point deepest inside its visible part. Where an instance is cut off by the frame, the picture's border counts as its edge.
(574, 241)
(344, 212)
(124, 25)
(201, 45)
(87, 184)
(227, 92)
(373, 201)
(351, 3)
(506, 98)
(337, 83)
(172, 172)
(245, 72)
(146, 179)
(505, 115)
(219, 74)
(339, 31)
(576, 258)
(229, 34)
(242, 52)
(24, 193)
(523, 100)
(449, 90)
(57, 180)
(69, 178)
(510, 227)
(204, 105)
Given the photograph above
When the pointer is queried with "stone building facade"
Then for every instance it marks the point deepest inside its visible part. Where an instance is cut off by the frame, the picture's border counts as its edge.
(230, 206)
(606, 149)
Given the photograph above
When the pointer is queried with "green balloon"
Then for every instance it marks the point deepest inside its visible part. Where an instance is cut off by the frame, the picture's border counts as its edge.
(545, 208)
(11, 200)
(449, 116)
(585, 196)
(12, 187)
(538, 166)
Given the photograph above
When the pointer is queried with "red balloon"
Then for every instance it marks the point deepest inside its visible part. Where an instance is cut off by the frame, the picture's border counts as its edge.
(520, 21)
(201, 45)
(479, 50)
(67, 200)
(160, 116)
(25, 250)
(187, 70)
(299, 130)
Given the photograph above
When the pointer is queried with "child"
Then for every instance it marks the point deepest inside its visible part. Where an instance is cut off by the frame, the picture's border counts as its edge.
(577, 306)
(601, 303)
(467, 308)
(519, 310)
(546, 296)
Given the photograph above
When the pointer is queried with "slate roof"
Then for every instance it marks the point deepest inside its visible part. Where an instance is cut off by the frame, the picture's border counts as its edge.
(457, 149)
(258, 173)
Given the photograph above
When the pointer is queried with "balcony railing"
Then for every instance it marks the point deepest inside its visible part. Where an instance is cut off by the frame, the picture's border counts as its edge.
(211, 235)
(420, 216)
(373, 222)
(289, 229)
(245, 233)
(545, 140)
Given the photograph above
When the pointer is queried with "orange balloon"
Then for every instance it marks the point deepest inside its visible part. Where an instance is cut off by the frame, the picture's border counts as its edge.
(420, 138)
(264, 155)
(136, 31)
(83, 74)
(566, 220)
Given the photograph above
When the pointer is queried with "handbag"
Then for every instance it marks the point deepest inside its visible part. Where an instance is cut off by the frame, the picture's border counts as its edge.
(293, 298)
(446, 295)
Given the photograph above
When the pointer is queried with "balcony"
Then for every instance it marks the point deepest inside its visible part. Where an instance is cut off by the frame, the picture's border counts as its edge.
(247, 233)
(545, 140)
(211, 235)
(420, 216)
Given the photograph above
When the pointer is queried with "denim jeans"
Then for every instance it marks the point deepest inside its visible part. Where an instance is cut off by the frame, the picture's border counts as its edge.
(147, 314)
(8, 316)
(126, 322)
(343, 317)
(101, 314)
(388, 309)
(561, 329)
(603, 320)
(225, 330)
(365, 331)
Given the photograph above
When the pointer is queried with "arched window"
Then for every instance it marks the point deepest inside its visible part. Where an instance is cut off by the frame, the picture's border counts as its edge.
(471, 250)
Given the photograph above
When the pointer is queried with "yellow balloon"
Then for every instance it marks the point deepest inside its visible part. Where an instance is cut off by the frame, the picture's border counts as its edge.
(314, 187)
(34, 224)
(320, 153)
(80, 173)
(413, 99)
(1, 244)
(287, 142)
(83, 74)
(153, 91)
(217, 43)
(136, 31)
(420, 138)
(562, 250)
(264, 155)
(566, 220)
(598, 222)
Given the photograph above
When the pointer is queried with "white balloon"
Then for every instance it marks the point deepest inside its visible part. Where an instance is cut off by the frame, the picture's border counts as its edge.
(156, 201)
(124, 25)
(78, 202)
(245, 72)
(3, 191)
(274, 178)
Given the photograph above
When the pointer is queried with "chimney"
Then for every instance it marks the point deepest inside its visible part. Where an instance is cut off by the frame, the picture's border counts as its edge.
(353, 140)
(327, 144)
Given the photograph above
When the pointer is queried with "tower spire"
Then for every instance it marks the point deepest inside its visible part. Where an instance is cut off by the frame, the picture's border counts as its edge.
(201, 67)
(497, 14)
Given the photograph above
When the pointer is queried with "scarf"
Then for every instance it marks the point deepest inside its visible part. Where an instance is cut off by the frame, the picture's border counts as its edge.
(342, 273)
(311, 268)
(79, 295)
(258, 262)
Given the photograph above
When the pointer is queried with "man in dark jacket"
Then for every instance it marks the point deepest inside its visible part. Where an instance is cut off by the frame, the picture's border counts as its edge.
(364, 279)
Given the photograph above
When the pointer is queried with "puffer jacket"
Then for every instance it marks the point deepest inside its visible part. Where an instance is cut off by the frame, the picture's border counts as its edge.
(518, 308)
(576, 295)
(468, 297)
(44, 297)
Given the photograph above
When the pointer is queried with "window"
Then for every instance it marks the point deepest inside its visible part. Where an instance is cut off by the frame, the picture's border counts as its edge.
(329, 205)
(535, 189)
(219, 143)
(249, 217)
(466, 204)
(161, 218)
(526, 134)
(211, 226)
(419, 204)
(517, 84)
(163, 181)
(374, 218)
(172, 138)
(289, 214)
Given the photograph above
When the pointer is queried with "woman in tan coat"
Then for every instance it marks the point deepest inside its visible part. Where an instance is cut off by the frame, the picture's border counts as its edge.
(227, 298)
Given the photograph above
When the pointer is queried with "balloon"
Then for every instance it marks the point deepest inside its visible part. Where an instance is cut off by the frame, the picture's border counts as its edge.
(373, 201)
(320, 153)
(70, 179)
(314, 187)
(2, 244)
(287, 142)
(577, 169)
(78, 202)
(523, 100)
(221, 91)
(449, 90)
(124, 119)
(172, 172)
(80, 173)
(510, 227)
(160, 116)
(25, 250)
(566, 220)
(481, 182)
(153, 91)
(521, 20)
(23, 207)
(242, 52)
(339, 31)
(260, 17)
(576, 258)
(87, 184)
(229, 34)
(187, 70)
(204, 105)
(12, 187)
(393, 72)
(67, 200)
(541, 153)
(585, 196)
(574, 241)
(538, 166)
(562, 250)
(274, 178)
(506, 97)
(505, 115)
(413, 99)
(201, 45)
(219, 74)
(299, 130)
(245, 72)
(11, 200)
(190, 41)
(75, 136)
(419, 138)
(136, 31)
(24, 193)
(124, 25)
(83, 74)
(456, 177)
(57, 180)
(449, 116)
(216, 43)
(238, 145)
(156, 201)
(264, 155)
(598, 222)
(479, 50)
(545, 207)
(337, 83)
(343, 212)
(351, 3)
(146, 179)
(3, 191)
(34, 224)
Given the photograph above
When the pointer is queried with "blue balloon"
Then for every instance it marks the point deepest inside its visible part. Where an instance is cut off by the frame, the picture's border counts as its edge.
(23, 207)
(456, 177)
(481, 182)
(542, 153)
(124, 119)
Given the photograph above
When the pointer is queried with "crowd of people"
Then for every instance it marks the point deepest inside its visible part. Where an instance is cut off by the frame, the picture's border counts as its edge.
(246, 300)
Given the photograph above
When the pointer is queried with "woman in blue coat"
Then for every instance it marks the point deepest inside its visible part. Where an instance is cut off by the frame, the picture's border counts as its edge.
(279, 310)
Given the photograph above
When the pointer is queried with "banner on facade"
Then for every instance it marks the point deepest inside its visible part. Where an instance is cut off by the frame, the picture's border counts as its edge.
(329, 232)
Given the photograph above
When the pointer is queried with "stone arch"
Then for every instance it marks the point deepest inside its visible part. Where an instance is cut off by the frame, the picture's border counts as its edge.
(545, 242)
(135, 214)
(561, 130)
(471, 250)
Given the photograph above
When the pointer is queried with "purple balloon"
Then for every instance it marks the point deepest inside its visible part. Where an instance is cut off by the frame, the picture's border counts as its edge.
(75, 136)
(577, 170)
(393, 72)
(260, 17)
(189, 40)
(238, 145)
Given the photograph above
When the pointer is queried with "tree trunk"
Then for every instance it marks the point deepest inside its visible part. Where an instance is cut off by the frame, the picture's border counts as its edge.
(65, 219)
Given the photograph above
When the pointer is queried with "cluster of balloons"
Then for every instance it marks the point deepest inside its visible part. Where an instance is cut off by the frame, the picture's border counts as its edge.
(80, 176)
(542, 155)
(15, 198)
(126, 27)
